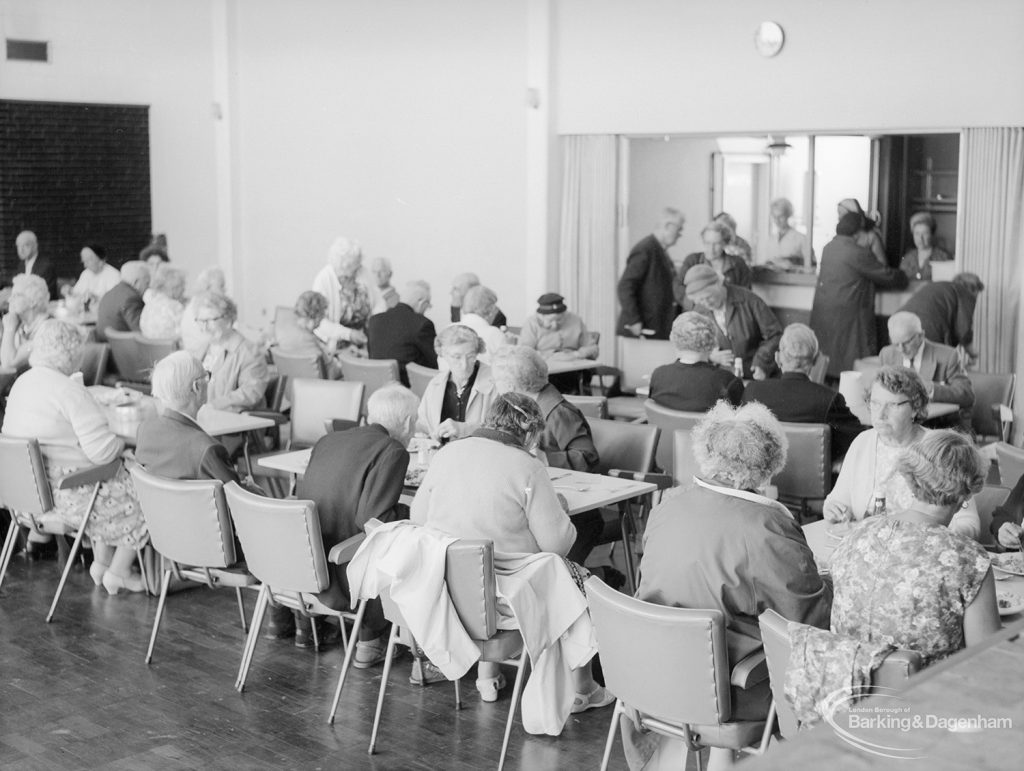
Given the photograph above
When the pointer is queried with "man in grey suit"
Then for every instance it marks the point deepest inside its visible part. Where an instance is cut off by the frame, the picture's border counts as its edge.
(938, 365)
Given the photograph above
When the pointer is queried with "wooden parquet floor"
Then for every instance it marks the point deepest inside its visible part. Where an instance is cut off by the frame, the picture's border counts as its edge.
(77, 694)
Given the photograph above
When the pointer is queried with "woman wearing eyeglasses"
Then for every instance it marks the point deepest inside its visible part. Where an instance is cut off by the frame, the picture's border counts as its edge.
(238, 369)
(868, 483)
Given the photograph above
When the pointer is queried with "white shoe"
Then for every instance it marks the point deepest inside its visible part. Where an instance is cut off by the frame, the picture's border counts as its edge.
(489, 687)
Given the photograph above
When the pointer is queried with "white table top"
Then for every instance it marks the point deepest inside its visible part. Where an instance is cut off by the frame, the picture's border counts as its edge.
(823, 545)
(221, 422)
(557, 366)
(582, 491)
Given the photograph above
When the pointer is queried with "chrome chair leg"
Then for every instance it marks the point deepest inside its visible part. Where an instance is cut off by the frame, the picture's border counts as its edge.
(612, 730)
(517, 691)
(250, 640)
(8, 550)
(392, 640)
(241, 608)
(159, 613)
(74, 552)
(349, 651)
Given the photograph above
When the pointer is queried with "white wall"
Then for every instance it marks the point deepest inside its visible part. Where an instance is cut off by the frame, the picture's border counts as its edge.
(400, 124)
(665, 66)
(146, 52)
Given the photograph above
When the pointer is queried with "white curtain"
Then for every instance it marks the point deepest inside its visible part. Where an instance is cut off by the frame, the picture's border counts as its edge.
(586, 266)
(989, 239)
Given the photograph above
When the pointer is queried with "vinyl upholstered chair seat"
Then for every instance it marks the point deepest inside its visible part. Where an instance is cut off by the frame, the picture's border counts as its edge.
(372, 373)
(25, 491)
(419, 376)
(470, 582)
(992, 414)
(1011, 463)
(668, 421)
(671, 665)
(892, 674)
(190, 527)
(807, 475)
(283, 549)
(291, 365)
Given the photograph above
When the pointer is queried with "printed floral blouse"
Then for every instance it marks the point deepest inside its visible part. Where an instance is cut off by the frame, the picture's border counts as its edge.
(906, 585)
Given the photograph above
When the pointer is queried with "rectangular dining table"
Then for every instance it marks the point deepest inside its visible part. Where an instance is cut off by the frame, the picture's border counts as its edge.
(582, 491)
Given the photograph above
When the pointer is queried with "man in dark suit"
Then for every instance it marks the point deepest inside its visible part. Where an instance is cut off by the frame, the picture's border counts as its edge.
(946, 310)
(938, 365)
(120, 308)
(795, 399)
(645, 289)
(28, 252)
(355, 476)
(403, 332)
(173, 445)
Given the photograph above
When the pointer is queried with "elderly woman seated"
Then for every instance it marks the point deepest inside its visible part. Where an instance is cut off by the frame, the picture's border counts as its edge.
(868, 482)
(238, 369)
(722, 545)
(161, 316)
(479, 307)
(299, 338)
(194, 339)
(566, 440)
(47, 404)
(554, 332)
(490, 486)
(907, 579)
(455, 402)
(348, 297)
(693, 382)
(27, 310)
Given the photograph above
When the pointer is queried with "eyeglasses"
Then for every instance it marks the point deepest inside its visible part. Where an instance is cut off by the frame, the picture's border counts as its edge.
(884, 407)
(207, 321)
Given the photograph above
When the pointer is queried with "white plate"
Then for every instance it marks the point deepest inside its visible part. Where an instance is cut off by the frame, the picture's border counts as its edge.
(1009, 602)
(1009, 562)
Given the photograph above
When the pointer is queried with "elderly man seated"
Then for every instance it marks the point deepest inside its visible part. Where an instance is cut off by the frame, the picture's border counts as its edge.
(938, 365)
(355, 476)
(120, 308)
(403, 332)
(173, 444)
(795, 399)
(566, 440)
(746, 328)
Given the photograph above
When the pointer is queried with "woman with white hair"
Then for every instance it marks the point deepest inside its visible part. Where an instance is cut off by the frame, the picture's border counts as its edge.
(693, 382)
(723, 545)
(47, 404)
(238, 369)
(479, 307)
(162, 314)
(455, 402)
(27, 310)
(348, 298)
(193, 339)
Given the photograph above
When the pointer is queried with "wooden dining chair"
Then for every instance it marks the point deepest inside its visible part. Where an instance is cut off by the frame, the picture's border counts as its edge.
(190, 528)
(25, 491)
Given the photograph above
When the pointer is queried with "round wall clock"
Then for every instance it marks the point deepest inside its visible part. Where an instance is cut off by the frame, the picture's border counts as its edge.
(768, 38)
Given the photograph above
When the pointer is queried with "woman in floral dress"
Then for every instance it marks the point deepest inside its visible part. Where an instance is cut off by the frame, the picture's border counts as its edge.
(907, 580)
(47, 404)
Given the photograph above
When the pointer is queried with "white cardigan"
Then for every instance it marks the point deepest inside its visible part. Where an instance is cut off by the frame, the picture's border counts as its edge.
(855, 485)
